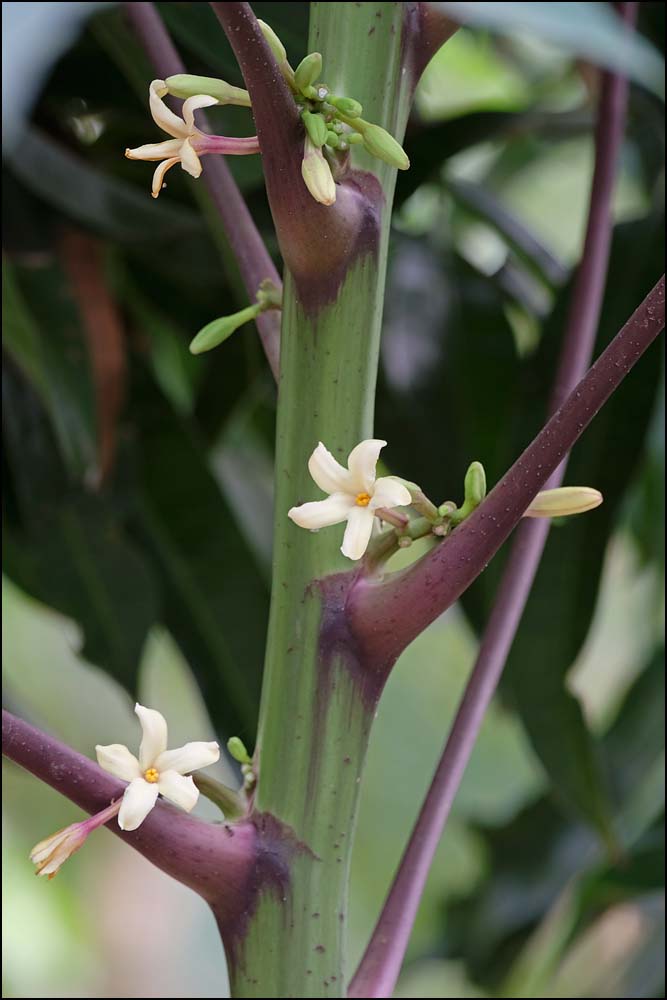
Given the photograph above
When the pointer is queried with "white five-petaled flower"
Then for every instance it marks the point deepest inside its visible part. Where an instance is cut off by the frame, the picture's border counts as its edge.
(355, 495)
(157, 770)
(188, 143)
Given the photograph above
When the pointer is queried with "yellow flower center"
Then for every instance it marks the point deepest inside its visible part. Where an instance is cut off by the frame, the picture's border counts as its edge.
(151, 775)
(363, 499)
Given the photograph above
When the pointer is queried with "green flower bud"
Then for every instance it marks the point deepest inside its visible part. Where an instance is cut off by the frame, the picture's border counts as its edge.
(220, 329)
(315, 127)
(333, 140)
(238, 751)
(184, 85)
(347, 105)
(379, 143)
(475, 484)
(273, 41)
(308, 71)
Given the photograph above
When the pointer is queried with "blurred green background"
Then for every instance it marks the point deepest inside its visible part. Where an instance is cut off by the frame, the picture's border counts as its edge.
(138, 509)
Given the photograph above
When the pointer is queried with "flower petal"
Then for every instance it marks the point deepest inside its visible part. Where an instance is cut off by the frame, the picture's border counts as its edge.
(358, 532)
(329, 475)
(189, 159)
(162, 116)
(389, 493)
(160, 171)
(139, 798)
(191, 105)
(154, 739)
(155, 150)
(117, 760)
(181, 791)
(362, 462)
(188, 758)
(322, 513)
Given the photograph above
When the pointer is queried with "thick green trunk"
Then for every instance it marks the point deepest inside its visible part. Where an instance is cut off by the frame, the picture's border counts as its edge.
(317, 702)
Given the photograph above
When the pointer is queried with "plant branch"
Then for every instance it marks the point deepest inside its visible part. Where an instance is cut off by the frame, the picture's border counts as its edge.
(253, 259)
(191, 851)
(387, 615)
(382, 961)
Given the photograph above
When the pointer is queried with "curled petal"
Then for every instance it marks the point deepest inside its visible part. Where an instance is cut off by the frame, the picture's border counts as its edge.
(362, 462)
(117, 760)
(139, 798)
(358, 532)
(160, 171)
(154, 739)
(162, 116)
(189, 159)
(191, 105)
(328, 474)
(389, 493)
(322, 513)
(188, 758)
(155, 150)
(181, 791)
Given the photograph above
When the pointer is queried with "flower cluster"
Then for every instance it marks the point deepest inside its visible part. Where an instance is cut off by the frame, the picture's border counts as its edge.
(359, 498)
(156, 771)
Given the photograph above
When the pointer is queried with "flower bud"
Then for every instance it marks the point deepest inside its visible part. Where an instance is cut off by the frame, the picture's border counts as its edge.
(349, 107)
(219, 330)
(564, 501)
(308, 71)
(333, 140)
(317, 175)
(315, 127)
(273, 41)
(238, 751)
(51, 854)
(183, 85)
(379, 143)
(474, 484)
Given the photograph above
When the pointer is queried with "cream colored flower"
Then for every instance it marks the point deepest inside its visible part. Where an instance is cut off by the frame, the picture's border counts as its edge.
(564, 501)
(157, 770)
(50, 854)
(355, 495)
(188, 143)
(317, 175)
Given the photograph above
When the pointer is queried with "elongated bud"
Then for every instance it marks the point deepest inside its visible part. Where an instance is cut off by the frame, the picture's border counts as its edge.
(564, 501)
(315, 127)
(273, 41)
(380, 143)
(238, 751)
(317, 175)
(349, 107)
(51, 854)
(183, 85)
(308, 71)
(219, 330)
(474, 484)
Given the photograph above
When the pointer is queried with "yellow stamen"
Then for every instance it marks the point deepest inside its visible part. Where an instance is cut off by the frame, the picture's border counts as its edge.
(151, 775)
(363, 500)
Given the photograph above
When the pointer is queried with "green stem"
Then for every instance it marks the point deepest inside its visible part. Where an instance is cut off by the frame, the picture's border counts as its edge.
(318, 700)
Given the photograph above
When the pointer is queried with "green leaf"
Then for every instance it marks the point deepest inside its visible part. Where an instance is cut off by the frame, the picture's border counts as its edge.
(591, 30)
(66, 548)
(43, 334)
(215, 601)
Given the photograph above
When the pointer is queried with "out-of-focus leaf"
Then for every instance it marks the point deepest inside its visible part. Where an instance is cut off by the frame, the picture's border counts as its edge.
(591, 30)
(42, 332)
(562, 600)
(646, 514)
(215, 602)
(66, 548)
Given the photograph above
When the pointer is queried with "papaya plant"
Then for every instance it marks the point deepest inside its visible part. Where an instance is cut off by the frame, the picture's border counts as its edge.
(292, 649)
